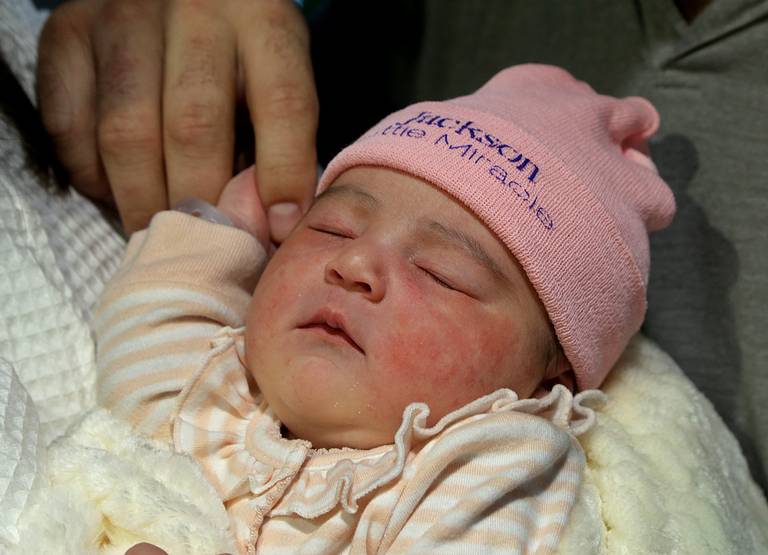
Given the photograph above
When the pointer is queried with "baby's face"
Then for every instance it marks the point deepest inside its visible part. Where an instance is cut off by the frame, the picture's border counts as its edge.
(386, 293)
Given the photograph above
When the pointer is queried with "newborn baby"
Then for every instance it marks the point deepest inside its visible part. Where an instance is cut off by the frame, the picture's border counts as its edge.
(388, 293)
(398, 376)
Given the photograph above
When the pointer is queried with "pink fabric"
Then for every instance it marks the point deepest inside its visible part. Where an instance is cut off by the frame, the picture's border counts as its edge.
(562, 176)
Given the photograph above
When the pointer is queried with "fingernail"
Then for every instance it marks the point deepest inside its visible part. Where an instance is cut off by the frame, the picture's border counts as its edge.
(282, 217)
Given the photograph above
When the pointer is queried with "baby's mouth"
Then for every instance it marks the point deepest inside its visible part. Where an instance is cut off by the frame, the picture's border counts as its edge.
(331, 324)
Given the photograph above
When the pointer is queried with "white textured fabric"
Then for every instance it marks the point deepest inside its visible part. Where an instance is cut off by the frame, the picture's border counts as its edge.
(57, 252)
(20, 25)
(20, 451)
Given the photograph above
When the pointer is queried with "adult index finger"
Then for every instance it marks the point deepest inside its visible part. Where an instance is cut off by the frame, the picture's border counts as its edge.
(280, 90)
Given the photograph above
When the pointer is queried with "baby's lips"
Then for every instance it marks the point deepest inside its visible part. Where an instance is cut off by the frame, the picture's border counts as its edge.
(336, 322)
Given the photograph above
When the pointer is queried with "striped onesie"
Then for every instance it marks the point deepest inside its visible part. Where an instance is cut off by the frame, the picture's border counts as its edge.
(498, 475)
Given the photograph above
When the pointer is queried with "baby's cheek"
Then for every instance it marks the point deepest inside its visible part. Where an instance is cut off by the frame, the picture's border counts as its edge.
(447, 356)
(272, 299)
(279, 285)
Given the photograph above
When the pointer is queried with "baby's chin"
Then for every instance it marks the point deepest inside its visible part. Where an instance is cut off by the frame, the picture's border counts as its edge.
(341, 438)
(328, 424)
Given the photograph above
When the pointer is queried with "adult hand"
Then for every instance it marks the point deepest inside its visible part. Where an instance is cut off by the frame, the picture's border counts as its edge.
(140, 95)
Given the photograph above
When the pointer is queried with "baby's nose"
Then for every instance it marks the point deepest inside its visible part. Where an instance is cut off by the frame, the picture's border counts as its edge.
(358, 272)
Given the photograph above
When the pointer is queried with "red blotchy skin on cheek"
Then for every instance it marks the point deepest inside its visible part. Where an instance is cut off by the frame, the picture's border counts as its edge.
(278, 294)
(442, 355)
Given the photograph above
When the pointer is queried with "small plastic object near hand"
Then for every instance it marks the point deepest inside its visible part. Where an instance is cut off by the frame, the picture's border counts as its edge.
(204, 211)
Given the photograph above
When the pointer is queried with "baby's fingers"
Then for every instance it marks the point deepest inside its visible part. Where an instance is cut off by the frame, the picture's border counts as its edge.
(145, 549)
(148, 549)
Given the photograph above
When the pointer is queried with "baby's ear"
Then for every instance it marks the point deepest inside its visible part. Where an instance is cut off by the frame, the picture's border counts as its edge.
(558, 371)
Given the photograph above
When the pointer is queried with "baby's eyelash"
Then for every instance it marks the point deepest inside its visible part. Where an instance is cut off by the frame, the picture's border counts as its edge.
(329, 232)
(438, 280)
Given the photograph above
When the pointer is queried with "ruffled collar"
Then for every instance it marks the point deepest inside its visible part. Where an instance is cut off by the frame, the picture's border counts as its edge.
(223, 421)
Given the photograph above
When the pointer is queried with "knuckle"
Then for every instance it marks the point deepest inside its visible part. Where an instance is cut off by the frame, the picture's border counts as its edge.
(196, 120)
(134, 220)
(62, 51)
(60, 25)
(290, 102)
(286, 172)
(65, 30)
(191, 5)
(283, 38)
(279, 14)
(117, 13)
(56, 118)
(199, 67)
(87, 181)
(130, 130)
(118, 74)
(131, 196)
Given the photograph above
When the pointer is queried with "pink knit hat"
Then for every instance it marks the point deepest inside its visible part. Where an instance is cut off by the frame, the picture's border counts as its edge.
(561, 175)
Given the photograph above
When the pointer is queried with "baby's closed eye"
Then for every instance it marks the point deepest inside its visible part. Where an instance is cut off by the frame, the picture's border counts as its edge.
(440, 280)
(331, 231)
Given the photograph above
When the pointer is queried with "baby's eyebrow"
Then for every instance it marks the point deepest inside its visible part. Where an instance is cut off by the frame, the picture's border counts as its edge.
(467, 243)
(350, 191)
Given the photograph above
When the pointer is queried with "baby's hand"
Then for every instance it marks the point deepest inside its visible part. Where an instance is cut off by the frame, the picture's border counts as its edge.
(147, 549)
(240, 202)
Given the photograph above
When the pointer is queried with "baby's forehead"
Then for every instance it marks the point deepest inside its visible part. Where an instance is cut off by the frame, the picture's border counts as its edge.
(393, 195)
